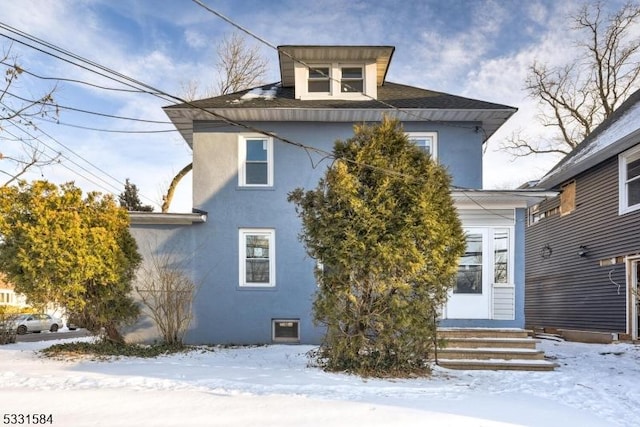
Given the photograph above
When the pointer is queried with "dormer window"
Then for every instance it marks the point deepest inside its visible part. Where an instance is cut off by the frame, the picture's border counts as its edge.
(352, 79)
(349, 73)
(319, 80)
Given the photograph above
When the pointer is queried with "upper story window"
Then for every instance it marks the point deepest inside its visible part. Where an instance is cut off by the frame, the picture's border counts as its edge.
(629, 180)
(352, 79)
(348, 81)
(319, 79)
(255, 157)
(426, 141)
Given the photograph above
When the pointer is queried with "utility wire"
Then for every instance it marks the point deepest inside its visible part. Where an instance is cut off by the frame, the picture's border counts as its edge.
(60, 154)
(63, 79)
(58, 122)
(79, 110)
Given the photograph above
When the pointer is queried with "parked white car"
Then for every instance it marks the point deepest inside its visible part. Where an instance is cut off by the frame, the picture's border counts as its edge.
(35, 323)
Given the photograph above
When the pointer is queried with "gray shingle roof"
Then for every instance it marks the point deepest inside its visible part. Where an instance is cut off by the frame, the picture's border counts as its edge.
(394, 94)
(406, 103)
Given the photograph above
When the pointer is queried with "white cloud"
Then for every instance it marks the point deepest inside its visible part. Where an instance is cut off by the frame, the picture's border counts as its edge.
(195, 38)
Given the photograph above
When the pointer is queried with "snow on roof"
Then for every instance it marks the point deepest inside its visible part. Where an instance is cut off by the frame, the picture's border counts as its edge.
(260, 92)
(612, 130)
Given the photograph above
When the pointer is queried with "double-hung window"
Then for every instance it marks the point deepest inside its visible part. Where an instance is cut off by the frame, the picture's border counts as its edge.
(319, 79)
(257, 257)
(352, 79)
(255, 155)
(629, 180)
(426, 141)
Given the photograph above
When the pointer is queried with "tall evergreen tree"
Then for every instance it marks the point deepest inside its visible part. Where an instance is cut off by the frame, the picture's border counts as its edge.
(387, 238)
(130, 199)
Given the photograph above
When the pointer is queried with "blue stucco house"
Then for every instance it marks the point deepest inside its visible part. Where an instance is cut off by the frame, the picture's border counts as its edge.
(256, 283)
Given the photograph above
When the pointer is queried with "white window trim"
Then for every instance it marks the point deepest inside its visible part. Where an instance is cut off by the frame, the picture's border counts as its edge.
(432, 135)
(318, 66)
(511, 255)
(623, 160)
(242, 243)
(364, 81)
(335, 71)
(242, 157)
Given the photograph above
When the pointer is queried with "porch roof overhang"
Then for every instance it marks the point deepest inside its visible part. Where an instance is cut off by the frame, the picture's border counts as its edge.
(498, 199)
(159, 218)
(183, 118)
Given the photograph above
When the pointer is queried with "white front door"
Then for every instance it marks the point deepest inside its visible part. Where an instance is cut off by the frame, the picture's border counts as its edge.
(471, 295)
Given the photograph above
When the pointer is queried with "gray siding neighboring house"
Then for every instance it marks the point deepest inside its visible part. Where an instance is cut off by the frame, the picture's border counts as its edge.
(256, 283)
(583, 246)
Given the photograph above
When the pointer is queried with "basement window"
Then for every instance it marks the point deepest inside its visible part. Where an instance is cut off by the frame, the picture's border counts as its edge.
(286, 330)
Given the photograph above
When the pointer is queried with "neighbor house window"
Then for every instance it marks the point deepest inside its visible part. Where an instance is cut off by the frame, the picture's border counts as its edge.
(568, 198)
(255, 155)
(257, 257)
(352, 79)
(629, 180)
(319, 79)
(426, 141)
(284, 330)
(469, 278)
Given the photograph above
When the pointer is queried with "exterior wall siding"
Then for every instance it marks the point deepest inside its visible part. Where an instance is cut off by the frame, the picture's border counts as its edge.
(227, 313)
(564, 290)
(167, 244)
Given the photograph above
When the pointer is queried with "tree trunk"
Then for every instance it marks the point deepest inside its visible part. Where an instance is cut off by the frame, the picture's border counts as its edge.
(172, 187)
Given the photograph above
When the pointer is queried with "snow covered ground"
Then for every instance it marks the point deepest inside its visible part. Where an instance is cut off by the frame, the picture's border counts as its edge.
(595, 385)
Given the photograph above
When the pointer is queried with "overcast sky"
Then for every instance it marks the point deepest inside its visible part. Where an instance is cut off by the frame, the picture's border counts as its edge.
(474, 48)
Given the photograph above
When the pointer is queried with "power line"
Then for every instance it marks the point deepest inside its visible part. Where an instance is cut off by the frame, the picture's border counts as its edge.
(79, 110)
(35, 138)
(64, 79)
(57, 122)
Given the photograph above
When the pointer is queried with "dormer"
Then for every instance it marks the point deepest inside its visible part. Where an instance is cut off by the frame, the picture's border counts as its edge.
(334, 72)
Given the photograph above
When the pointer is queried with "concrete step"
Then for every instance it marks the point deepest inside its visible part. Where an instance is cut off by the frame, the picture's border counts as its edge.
(491, 354)
(491, 349)
(490, 342)
(482, 333)
(498, 365)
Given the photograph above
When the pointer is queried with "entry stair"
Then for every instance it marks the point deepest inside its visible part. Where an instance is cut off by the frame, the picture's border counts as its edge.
(490, 349)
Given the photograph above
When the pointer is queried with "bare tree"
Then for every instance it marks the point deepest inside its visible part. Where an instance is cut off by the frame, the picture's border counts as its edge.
(16, 122)
(167, 291)
(577, 97)
(240, 67)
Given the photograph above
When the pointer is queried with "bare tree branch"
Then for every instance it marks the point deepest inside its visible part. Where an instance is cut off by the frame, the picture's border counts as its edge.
(576, 98)
(240, 67)
(19, 112)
